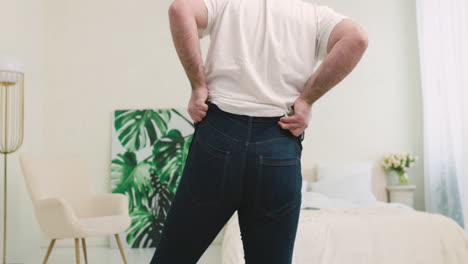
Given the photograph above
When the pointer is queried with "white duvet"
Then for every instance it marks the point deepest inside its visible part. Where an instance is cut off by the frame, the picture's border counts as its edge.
(375, 233)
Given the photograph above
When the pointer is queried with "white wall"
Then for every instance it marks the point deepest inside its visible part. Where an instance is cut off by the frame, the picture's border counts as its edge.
(87, 58)
(22, 33)
(378, 107)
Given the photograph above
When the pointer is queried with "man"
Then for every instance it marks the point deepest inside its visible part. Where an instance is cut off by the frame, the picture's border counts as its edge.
(251, 103)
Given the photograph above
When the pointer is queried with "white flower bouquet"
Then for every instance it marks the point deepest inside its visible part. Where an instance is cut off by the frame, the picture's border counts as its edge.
(399, 162)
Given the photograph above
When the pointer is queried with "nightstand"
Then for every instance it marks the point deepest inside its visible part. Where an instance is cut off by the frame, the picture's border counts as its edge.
(402, 194)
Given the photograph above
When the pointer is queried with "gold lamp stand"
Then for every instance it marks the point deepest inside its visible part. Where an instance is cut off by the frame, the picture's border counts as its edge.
(11, 119)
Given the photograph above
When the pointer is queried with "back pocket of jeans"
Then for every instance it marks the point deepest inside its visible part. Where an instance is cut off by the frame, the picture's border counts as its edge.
(206, 172)
(277, 186)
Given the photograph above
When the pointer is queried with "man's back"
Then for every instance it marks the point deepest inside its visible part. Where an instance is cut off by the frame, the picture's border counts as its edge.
(263, 51)
(247, 158)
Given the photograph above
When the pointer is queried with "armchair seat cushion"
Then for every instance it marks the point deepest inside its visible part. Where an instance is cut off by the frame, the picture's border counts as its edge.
(65, 202)
(101, 225)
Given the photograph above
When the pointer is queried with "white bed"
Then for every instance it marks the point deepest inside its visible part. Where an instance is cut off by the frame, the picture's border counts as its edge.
(352, 226)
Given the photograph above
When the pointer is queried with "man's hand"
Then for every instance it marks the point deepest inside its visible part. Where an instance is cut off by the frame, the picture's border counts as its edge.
(298, 122)
(197, 107)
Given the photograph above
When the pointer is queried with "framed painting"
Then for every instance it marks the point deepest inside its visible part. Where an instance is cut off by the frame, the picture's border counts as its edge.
(149, 149)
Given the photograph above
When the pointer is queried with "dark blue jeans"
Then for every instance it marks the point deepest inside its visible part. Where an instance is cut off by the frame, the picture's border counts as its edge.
(236, 162)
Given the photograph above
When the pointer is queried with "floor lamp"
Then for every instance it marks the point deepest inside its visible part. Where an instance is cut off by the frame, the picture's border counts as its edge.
(11, 119)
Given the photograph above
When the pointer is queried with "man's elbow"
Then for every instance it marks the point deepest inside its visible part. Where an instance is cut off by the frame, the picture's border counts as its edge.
(352, 34)
(360, 38)
(177, 8)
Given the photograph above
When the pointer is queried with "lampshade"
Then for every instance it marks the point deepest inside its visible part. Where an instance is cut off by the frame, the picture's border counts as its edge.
(11, 67)
(11, 103)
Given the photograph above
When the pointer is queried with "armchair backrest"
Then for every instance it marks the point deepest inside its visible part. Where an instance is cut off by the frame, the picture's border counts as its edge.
(65, 176)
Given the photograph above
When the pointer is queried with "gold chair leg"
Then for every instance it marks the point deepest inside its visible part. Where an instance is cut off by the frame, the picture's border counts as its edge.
(121, 248)
(83, 241)
(77, 250)
(49, 250)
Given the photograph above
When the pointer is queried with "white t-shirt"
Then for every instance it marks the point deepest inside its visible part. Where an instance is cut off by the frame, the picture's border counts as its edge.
(262, 52)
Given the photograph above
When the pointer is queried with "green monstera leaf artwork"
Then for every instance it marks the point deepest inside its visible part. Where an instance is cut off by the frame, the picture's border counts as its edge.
(149, 149)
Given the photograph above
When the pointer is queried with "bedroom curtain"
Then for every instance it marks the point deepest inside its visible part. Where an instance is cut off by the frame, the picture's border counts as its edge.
(443, 40)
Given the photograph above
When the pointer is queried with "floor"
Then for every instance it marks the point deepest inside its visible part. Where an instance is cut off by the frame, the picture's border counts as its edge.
(108, 256)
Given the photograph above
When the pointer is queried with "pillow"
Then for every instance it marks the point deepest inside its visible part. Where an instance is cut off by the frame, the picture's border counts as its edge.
(350, 181)
(315, 200)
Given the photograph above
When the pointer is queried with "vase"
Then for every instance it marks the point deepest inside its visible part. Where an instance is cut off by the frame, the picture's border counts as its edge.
(397, 178)
(403, 177)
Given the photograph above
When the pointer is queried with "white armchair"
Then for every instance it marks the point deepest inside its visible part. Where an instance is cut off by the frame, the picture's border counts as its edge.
(66, 205)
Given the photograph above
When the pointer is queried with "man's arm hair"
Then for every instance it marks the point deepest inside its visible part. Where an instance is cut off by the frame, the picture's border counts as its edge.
(346, 45)
(185, 17)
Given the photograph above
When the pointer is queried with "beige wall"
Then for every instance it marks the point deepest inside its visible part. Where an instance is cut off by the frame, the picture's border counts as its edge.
(378, 108)
(22, 33)
(86, 58)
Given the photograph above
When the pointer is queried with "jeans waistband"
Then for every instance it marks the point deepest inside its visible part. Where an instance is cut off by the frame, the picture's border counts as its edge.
(244, 117)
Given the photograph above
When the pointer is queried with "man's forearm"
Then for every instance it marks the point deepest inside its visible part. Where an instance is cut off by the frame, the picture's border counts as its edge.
(185, 37)
(339, 62)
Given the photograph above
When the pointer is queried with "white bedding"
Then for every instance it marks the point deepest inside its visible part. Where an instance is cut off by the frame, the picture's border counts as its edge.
(379, 233)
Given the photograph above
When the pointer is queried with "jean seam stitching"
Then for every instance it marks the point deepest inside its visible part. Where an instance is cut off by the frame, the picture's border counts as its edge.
(216, 152)
(259, 178)
(280, 162)
(229, 137)
(196, 199)
(291, 204)
(267, 140)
